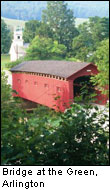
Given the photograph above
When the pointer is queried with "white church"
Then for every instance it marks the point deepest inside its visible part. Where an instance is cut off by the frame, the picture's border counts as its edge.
(18, 47)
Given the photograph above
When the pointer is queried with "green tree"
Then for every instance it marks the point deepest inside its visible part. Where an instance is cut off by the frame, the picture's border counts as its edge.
(101, 58)
(30, 30)
(5, 38)
(99, 29)
(44, 31)
(61, 21)
(90, 35)
(45, 48)
(82, 45)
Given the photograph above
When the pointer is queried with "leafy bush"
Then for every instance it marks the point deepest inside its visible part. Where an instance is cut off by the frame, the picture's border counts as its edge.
(12, 125)
(80, 139)
(101, 57)
(72, 59)
(42, 48)
(14, 63)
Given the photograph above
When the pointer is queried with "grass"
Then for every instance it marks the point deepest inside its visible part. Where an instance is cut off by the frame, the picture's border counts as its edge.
(13, 23)
(4, 60)
(79, 21)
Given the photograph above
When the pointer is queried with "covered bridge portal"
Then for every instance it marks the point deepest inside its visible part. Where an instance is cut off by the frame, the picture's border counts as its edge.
(50, 83)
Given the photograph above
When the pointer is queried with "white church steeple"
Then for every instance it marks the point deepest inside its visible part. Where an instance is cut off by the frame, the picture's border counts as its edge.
(18, 36)
(18, 48)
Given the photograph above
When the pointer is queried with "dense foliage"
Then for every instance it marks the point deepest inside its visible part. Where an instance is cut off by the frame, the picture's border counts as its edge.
(101, 57)
(35, 27)
(80, 139)
(9, 64)
(29, 10)
(5, 38)
(80, 43)
(57, 23)
(99, 29)
(11, 124)
(30, 30)
(90, 35)
(61, 21)
(77, 137)
(45, 48)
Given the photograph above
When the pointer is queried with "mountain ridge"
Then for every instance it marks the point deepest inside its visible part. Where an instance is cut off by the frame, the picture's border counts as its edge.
(32, 10)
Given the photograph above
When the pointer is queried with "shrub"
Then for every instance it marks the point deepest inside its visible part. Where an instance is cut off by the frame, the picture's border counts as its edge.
(80, 139)
(14, 63)
(12, 125)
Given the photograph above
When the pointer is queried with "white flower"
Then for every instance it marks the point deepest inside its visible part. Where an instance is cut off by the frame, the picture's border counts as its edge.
(42, 135)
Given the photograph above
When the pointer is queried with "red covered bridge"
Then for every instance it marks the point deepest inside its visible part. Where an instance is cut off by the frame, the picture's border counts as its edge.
(52, 83)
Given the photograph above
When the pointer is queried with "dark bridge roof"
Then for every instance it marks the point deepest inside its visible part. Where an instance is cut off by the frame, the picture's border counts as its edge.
(58, 68)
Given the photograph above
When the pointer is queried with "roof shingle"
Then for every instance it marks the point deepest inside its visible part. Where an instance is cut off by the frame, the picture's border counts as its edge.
(58, 68)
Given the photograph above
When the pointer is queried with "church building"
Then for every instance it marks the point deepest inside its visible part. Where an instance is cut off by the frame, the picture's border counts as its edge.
(18, 47)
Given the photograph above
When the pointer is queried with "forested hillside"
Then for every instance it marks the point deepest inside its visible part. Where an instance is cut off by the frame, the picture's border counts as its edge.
(28, 10)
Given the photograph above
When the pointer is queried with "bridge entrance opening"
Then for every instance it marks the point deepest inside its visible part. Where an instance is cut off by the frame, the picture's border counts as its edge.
(83, 88)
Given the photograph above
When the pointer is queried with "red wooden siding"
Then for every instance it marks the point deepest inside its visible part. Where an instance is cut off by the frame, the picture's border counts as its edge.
(42, 90)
